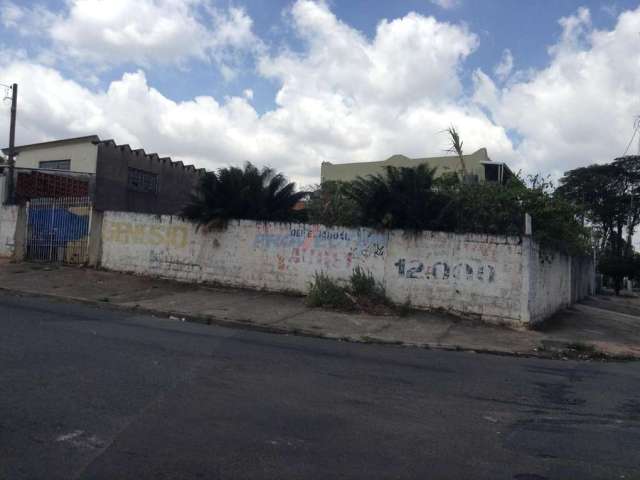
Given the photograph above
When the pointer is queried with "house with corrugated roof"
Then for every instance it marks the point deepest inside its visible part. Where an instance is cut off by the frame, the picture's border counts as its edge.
(115, 177)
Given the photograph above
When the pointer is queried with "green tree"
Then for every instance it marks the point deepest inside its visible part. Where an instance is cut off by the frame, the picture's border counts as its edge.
(401, 198)
(617, 267)
(455, 146)
(599, 192)
(490, 207)
(243, 193)
(329, 204)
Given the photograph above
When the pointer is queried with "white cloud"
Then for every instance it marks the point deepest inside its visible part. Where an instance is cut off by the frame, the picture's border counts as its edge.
(345, 97)
(10, 14)
(25, 21)
(349, 98)
(579, 109)
(446, 4)
(143, 32)
(504, 68)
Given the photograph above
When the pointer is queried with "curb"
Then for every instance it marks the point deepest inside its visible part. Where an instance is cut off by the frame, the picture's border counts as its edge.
(249, 325)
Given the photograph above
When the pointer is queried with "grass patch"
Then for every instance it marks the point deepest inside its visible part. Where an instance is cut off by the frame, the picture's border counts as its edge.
(362, 293)
(326, 292)
(368, 293)
(363, 285)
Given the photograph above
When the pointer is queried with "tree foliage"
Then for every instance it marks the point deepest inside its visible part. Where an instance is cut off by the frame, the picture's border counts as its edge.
(490, 207)
(330, 205)
(619, 267)
(607, 197)
(456, 147)
(412, 199)
(402, 198)
(243, 193)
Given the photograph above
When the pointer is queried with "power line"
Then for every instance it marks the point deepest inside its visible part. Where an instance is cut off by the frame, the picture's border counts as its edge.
(636, 127)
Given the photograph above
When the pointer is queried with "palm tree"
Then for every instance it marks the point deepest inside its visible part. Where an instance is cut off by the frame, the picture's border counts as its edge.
(402, 198)
(242, 193)
(456, 147)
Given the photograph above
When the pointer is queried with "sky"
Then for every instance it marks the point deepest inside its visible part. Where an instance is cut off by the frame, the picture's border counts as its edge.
(544, 85)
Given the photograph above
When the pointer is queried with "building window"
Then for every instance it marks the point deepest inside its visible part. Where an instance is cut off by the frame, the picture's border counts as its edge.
(55, 164)
(141, 181)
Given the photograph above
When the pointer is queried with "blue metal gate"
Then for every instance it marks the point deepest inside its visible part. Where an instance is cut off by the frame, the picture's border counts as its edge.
(58, 229)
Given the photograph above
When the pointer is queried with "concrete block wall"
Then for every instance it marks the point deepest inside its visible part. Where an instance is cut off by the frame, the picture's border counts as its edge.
(8, 225)
(494, 278)
(471, 274)
(249, 254)
(549, 282)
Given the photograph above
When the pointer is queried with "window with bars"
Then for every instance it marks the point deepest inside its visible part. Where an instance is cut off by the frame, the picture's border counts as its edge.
(141, 181)
(55, 164)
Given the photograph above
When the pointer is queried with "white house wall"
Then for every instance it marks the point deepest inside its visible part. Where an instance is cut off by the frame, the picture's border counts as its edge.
(83, 156)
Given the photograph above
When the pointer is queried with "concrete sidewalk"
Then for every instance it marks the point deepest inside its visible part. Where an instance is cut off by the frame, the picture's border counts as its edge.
(610, 325)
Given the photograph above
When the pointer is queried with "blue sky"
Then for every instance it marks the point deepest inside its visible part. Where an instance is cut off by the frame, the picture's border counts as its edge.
(297, 82)
(526, 27)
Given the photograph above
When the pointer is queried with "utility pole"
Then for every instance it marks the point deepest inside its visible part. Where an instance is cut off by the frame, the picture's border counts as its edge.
(12, 146)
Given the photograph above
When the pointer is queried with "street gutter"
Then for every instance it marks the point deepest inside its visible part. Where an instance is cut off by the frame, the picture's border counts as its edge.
(249, 325)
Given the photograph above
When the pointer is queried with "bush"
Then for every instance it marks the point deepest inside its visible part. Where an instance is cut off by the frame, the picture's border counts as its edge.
(325, 292)
(363, 293)
(364, 286)
(329, 205)
(401, 198)
(617, 268)
(243, 193)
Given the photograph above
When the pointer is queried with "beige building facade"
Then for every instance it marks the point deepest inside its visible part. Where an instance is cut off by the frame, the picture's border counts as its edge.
(477, 164)
(72, 154)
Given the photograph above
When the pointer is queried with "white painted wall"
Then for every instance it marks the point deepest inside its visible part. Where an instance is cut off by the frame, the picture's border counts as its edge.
(493, 278)
(83, 156)
(252, 254)
(475, 275)
(8, 222)
(549, 283)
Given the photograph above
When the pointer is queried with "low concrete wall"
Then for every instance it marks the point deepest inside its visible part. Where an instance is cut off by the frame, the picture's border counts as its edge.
(494, 278)
(583, 278)
(8, 224)
(250, 254)
(474, 275)
(549, 282)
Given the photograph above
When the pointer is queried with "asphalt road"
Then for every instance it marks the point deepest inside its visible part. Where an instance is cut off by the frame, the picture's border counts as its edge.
(101, 394)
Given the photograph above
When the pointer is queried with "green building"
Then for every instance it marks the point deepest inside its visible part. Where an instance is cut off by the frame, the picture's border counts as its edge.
(478, 165)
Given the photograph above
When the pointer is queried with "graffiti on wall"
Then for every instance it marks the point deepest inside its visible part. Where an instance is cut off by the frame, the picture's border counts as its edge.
(168, 262)
(318, 246)
(321, 238)
(152, 235)
(441, 270)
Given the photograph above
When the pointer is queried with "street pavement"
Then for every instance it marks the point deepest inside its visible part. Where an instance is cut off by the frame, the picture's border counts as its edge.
(97, 393)
(607, 325)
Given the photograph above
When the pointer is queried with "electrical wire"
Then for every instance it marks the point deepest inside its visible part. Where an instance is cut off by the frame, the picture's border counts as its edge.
(636, 126)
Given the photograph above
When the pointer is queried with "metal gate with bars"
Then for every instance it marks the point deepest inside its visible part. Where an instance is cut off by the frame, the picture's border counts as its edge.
(58, 229)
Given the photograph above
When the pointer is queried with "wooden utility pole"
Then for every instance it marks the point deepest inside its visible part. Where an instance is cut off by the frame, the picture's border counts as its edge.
(11, 196)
